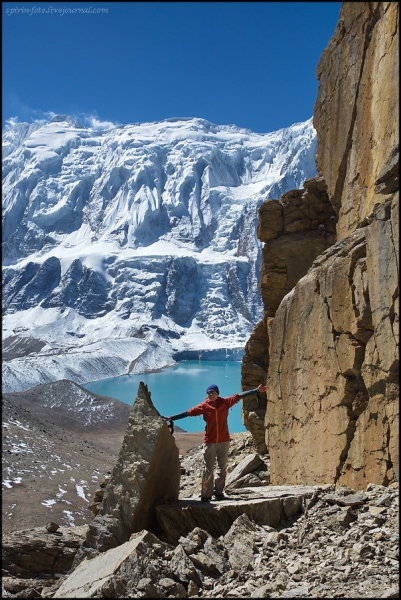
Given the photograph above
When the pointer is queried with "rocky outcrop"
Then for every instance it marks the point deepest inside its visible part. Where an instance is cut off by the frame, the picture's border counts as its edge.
(329, 339)
(295, 230)
(254, 368)
(263, 505)
(147, 473)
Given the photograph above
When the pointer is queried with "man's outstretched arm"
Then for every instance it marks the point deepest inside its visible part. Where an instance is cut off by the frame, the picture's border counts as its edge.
(260, 388)
(176, 417)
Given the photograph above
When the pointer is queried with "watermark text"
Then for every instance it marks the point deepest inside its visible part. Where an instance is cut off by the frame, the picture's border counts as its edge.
(55, 10)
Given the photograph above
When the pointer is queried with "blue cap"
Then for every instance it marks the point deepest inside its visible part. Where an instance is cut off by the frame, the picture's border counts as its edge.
(213, 387)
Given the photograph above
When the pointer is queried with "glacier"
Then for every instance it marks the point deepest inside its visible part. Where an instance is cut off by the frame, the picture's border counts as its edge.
(127, 249)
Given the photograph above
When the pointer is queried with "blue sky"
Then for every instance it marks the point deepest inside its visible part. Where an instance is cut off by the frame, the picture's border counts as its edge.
(251, 64)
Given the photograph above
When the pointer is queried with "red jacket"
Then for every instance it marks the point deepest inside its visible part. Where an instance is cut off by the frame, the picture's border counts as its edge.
(215, 413)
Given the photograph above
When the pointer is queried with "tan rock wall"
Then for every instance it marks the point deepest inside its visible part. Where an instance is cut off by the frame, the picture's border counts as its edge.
(357, 109)
(332, 415)
(331, 332)
(296, 229)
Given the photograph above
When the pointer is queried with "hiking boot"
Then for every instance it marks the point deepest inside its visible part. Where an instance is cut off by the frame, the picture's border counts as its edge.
(205, 498)
(220, 496)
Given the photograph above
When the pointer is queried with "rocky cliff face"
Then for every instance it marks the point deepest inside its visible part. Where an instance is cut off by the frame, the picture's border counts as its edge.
(295, 230)
(329, 338)
(356, 112)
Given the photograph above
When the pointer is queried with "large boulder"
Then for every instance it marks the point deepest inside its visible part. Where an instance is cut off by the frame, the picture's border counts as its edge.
(147, 473)
(266, 505)
(41, 551)
(117, 572)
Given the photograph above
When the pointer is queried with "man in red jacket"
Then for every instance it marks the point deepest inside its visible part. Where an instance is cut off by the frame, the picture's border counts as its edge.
(216, 438)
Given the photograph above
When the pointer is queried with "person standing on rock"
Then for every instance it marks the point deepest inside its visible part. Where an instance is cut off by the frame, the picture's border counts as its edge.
(216, 437)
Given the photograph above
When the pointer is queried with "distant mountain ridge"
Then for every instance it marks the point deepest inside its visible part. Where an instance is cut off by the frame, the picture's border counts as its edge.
(71, 406)
(126, 249)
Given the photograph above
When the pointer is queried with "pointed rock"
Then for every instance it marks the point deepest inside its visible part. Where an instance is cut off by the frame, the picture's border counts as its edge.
(183, 567)
(147, 473)
(240, 542)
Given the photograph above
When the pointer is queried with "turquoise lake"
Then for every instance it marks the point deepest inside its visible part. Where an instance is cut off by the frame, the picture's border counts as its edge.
(178, 388)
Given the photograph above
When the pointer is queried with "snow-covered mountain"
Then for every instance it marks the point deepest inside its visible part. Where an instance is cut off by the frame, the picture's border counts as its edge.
(125, 250)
